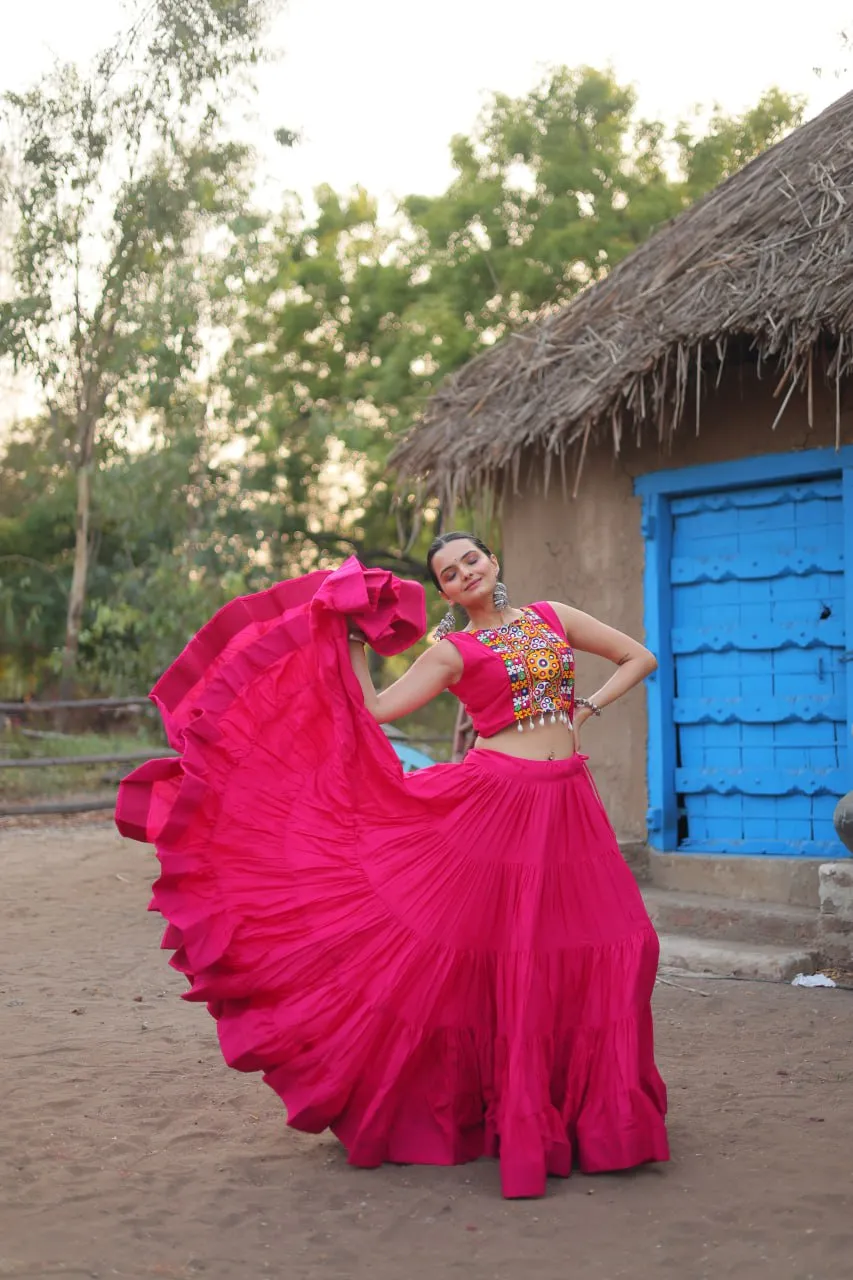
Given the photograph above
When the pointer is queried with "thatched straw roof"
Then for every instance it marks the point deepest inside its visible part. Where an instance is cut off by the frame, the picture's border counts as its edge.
(763, 264)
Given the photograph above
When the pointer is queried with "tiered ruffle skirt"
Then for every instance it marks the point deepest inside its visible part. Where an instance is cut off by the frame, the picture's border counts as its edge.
(437, 967)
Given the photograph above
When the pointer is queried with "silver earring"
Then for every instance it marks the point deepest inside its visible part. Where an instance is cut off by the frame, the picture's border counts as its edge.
(500, 597)
(447, 624)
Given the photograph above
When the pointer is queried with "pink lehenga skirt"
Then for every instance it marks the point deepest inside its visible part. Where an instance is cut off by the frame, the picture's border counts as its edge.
(436, 967)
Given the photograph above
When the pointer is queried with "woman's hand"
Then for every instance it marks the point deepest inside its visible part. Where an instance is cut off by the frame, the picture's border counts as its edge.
(582, 714)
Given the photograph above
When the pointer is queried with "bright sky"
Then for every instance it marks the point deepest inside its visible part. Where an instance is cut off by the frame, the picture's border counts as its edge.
(378, 87)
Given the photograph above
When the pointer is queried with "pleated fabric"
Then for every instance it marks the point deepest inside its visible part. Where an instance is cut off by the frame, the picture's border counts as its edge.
(436, 966)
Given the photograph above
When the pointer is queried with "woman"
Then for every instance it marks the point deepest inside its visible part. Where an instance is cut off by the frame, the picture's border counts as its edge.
(440, 966)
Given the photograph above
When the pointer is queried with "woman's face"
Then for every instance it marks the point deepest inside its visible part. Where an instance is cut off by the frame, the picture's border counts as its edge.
(466, 575)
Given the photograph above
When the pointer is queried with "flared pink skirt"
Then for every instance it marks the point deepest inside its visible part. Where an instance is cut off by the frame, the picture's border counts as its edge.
(437, 967)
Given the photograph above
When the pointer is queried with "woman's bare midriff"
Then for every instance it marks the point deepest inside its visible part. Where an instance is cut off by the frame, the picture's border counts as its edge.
(544, 742)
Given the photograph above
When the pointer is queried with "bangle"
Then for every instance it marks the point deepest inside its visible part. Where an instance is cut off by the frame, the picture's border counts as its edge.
(359, 639)
(588, 702)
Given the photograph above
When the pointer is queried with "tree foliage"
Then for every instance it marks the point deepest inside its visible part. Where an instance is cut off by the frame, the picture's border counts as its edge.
(349, 323)
(248, 374)
(110, 181)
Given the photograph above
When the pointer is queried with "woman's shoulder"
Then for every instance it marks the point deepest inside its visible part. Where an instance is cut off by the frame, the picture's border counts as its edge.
(556, 614)
(554, 608)
(445, 654)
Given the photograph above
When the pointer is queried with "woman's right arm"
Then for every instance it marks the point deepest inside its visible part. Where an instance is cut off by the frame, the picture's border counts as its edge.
(428, 676)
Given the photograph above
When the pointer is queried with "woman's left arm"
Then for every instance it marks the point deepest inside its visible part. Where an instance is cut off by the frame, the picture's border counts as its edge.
(633, 660)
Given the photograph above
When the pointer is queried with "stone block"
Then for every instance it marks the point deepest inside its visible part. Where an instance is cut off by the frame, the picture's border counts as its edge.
(835, 922)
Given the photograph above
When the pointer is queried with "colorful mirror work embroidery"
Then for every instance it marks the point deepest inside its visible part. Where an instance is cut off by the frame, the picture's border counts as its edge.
(540, 666)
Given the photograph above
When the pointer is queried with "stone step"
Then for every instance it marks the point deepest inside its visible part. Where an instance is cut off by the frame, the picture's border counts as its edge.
(680, 953)
(721, 919)
(790, 881)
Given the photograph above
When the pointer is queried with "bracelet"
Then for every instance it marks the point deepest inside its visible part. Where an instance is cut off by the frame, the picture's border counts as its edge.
(588, 702)
(359, 639)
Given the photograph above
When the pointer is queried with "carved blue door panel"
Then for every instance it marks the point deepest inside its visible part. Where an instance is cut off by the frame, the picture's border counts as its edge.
(759, 692)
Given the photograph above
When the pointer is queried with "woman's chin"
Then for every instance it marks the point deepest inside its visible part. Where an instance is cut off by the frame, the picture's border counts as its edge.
(480, 598)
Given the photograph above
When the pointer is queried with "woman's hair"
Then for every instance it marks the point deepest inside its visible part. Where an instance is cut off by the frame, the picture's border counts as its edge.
(442, 541)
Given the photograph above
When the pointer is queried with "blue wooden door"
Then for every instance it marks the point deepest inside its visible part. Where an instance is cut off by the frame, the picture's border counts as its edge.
(758, 642)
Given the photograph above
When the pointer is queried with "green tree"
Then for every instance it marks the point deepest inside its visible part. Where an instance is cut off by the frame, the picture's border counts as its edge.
(297, 378)
(111, 180)
(349, 323)
(36, 529)
(220, 476)
(729, 143)
(170, 543)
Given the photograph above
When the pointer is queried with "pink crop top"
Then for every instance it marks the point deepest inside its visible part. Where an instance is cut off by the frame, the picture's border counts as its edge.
(516, 674)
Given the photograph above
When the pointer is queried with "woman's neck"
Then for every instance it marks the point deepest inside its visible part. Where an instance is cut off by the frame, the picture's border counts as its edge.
(490, 619)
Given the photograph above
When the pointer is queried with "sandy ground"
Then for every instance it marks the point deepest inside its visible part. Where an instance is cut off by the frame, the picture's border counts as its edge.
(128, 1149)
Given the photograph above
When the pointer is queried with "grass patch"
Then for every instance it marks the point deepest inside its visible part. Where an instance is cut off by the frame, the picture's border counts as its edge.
(17, 786)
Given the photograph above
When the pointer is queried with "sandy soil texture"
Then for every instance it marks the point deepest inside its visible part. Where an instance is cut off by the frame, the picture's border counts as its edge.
(128, 1149)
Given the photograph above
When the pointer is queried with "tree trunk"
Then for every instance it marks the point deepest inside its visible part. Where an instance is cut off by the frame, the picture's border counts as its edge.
(77, 596)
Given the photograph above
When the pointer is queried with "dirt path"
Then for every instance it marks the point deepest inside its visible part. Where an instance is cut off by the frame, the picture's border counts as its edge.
(127, 1148)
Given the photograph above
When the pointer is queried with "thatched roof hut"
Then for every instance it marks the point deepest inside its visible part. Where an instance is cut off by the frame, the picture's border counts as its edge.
(760, 270)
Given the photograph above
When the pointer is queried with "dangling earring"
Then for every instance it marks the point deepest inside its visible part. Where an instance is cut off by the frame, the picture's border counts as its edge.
(500, 597)
(447, 624)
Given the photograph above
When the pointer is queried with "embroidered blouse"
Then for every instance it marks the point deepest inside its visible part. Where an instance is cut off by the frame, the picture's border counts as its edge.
(519, 673)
